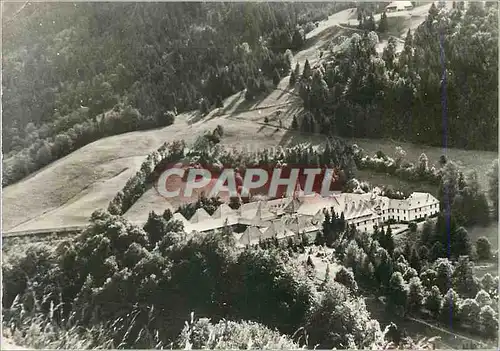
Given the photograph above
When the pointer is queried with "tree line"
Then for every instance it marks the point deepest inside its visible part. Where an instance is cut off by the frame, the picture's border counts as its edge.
(85, 130)
(205, 151)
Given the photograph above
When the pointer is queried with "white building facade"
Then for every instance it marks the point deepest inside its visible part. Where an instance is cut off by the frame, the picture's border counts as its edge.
(287, 217)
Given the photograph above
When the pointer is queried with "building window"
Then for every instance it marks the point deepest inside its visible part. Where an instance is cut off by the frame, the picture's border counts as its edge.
(358, 224)
(398, 218)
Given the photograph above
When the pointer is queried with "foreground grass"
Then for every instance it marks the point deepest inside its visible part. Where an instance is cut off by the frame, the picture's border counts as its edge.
(36, 331)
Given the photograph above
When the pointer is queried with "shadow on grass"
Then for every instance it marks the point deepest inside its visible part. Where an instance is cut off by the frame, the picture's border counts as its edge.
(246, 105)
(293, 137)
(233, 102)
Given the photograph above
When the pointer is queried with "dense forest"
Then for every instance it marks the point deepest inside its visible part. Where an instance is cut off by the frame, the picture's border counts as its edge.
(155, 57)
(441, 90)
(74, 73)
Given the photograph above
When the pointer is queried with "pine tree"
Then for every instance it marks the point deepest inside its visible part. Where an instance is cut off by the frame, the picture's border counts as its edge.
(307, 70)
(415, 261)
(167, 215)
(370, 24)
(218, 102)
(407, 251)
(204, 107)
(407, 53)
(320, 240)
(305, 239)
(297, 71)
(327, 275)
(276, 77)
(310, 262)
(383, 25)
(297, 40)
(295, 125)
(293, 79)
(433, 14)
(389, 241)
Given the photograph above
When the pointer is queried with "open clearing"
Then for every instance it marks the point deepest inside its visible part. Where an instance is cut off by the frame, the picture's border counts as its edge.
(67, 191)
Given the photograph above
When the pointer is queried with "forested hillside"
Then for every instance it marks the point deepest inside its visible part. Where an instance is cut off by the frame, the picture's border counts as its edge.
(64, 65)
(441, 90)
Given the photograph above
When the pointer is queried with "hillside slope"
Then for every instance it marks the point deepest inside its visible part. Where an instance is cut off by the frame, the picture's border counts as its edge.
(69, 190)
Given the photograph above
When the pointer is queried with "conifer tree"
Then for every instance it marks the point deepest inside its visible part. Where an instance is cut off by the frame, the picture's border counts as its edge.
(276, 77)
(293, 79)
(218, 102)
(297, 71)
(307, 70)
(383, 25)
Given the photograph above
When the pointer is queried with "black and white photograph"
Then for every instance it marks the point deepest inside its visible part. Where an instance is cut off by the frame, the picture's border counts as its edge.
(249, 175)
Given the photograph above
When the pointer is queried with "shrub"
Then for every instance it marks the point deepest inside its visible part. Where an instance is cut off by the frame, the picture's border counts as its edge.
(488, 322)
(229, 335)
(340, 320)
(483, 248)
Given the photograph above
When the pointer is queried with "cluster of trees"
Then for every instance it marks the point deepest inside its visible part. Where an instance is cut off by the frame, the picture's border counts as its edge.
(44, 147)
(398, 166)
(459, 195)
(333, 225)
(416, 282)
(493, 187)
(451, 294)
(206, 152)
(208, 204)
(446, 238)
(279, 66)
(367, 22)
(462, 197)
(360, 93)
(165, 57)
(137, 185)
(142, 283)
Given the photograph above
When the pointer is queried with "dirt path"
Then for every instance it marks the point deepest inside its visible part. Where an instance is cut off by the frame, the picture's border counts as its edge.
(455, 335)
